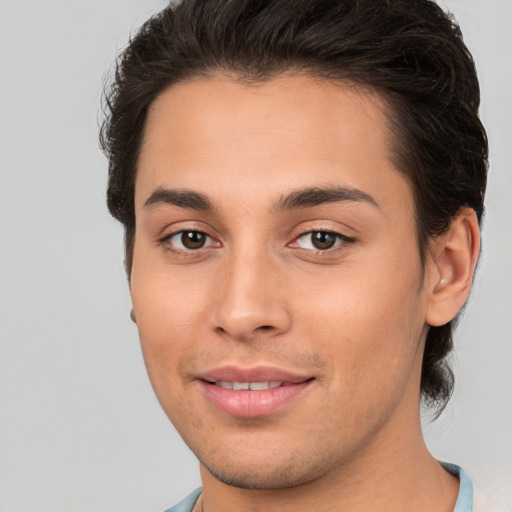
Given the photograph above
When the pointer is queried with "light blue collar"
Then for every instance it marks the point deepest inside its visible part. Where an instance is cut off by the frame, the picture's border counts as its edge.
(187, 504)
(465, 498)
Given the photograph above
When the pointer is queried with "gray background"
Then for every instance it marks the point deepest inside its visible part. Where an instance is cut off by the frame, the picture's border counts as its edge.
(80, 429)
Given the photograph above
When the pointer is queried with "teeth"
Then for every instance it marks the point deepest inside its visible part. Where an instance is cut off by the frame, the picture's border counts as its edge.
(244, 386)
(258, 386)
(224, 384)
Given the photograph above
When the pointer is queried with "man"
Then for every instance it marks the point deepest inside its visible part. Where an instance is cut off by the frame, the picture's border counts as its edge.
(301, 184)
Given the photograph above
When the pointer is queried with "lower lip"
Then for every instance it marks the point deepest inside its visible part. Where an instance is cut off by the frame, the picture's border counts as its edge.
(252, 404)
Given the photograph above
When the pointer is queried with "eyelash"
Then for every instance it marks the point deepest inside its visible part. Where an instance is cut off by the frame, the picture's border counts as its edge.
(340, 241)
(169, 245)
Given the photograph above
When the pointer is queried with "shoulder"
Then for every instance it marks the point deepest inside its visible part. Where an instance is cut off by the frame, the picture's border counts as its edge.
(187, 504)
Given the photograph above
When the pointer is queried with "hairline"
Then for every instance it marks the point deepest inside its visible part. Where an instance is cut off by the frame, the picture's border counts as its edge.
(385, 101)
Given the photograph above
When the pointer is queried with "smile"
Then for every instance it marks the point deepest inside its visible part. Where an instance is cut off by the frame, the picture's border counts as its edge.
(252, 393)
(253, 386)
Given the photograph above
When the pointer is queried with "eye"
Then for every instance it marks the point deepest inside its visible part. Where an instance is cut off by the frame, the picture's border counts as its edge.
(189, 240)
(320, 240)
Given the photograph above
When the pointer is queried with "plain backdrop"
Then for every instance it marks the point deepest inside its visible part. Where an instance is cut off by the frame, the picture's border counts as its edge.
(80, 429)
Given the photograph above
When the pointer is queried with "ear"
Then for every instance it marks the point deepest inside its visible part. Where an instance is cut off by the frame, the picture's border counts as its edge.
(451, 267)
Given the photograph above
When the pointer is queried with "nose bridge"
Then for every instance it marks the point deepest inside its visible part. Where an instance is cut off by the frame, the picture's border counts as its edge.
(249, 299)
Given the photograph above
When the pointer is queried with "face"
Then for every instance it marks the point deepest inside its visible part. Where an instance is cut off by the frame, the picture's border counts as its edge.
(276, 278)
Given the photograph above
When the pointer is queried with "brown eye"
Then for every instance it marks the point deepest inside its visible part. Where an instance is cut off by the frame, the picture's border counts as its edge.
(322, 240)
(193, 239)
(190, 240)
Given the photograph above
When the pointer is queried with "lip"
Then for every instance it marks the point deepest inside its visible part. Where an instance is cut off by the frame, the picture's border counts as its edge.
(249, 403)
(253, 374)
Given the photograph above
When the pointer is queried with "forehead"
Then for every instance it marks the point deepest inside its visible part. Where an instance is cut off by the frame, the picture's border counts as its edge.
(291, 130)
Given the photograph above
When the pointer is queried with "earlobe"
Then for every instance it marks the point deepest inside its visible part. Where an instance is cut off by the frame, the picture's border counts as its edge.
(452, 264)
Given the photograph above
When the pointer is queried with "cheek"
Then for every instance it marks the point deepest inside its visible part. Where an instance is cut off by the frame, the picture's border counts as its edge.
(170, 311)
(368, 325)
(167, 301)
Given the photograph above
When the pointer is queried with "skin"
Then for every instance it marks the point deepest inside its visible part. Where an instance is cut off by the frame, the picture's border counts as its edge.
(353, 317)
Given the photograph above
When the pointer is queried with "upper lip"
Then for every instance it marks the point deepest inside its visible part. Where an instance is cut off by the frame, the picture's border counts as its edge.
(232, 373)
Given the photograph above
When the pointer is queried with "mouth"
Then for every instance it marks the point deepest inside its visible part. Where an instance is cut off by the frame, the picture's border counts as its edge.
(248, 386)
(252, 393)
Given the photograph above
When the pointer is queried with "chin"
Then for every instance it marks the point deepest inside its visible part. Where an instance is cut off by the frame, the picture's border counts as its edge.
(267, 476)
(259, 480)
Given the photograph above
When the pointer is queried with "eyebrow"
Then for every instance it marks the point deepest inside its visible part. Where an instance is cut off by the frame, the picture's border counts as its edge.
(180, 197)
(298, 199)
(310, 197)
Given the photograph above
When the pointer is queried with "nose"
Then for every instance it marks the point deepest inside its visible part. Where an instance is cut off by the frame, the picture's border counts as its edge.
(250, 301)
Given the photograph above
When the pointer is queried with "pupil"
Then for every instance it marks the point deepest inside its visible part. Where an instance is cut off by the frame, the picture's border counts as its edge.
(193, 239)
(323, 240)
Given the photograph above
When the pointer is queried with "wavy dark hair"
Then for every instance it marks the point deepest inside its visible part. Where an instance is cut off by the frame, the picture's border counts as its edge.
(409, 51)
